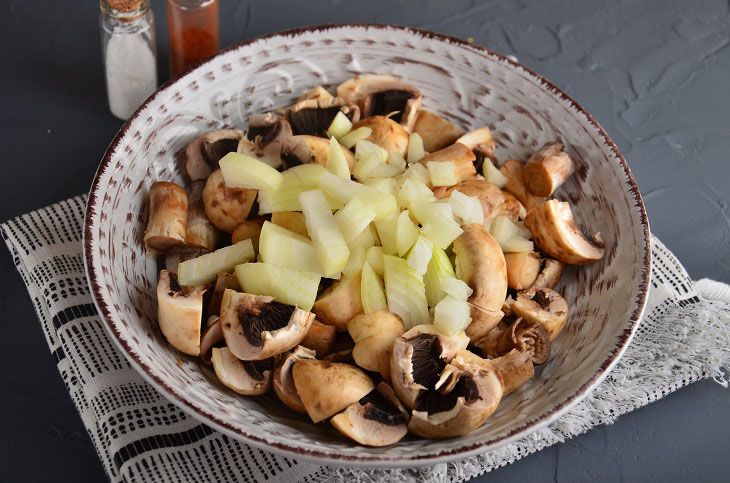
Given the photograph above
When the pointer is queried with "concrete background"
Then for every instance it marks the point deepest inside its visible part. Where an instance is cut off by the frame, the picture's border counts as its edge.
(654, 73)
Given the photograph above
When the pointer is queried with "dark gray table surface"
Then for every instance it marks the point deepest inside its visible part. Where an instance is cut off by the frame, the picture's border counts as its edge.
(656, 75)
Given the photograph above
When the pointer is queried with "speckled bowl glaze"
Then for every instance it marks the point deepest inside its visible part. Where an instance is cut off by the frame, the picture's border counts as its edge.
(465, 83)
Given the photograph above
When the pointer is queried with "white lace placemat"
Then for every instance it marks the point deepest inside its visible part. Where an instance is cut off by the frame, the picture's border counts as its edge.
(141, 436)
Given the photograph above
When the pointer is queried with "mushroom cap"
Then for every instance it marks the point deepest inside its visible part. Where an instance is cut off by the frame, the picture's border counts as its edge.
(436, 132)
(320, 338)
(226, 207)
(305, 149)
(212, 337)
(284, 381)
(264, 138)
(514, 171)
(373, 353)
(387, 133)
(250, 378)
(249, 230)
(472, 395)
(374, 420)
(380, 322)
(522, 269)
(204, 152)
(525, 336)
(256, 327)
(378, 94)
(550, 273)
(418, 358)
(544, 306)
(555, 233)
(179, 314)
(482, 321)
(314, 116)
(479, 139)
(490, 196)
(326, 388)
(480, 263)
(460, 155)
(199, 230)
(340, 302)
(548, 168)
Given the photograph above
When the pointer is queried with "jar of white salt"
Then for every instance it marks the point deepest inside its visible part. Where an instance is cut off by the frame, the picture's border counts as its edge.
(130, 53)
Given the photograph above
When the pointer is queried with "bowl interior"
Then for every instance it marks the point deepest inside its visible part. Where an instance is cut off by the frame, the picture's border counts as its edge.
(466, 84)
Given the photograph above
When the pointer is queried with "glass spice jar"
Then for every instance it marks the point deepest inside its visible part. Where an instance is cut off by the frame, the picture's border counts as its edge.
(193, 27)
(130, 53)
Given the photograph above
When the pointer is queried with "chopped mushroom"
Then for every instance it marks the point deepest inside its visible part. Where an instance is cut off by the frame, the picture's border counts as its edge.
(515, 368)
(383, 95)
(181, 253)
(226, 207)
(548, 168)
(310, 149)
(513, 170)
(491, 198)
(374, 335)
(200, 231)
(320, 338)
(168, 216)
(520, 334)
(480, 263)
(544, 306)
(179, 314)
(250, 378)
(387, 133)
(265, 137)
(318, 92)
(284, 381)
(378, 419)
(465, 395)
(340, 302)
(256, 327)
(481, 143)
(460, 155)
(212, 337)
(326, 388)
(202, 155)
(436, 132)
(555, 233)
(522, 269)
(313, 116)
(341, 349)
(249, 230)
(550, 273)
(223, 281)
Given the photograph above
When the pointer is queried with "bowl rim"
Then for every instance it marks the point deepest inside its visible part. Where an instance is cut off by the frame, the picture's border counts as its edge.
(375, 461)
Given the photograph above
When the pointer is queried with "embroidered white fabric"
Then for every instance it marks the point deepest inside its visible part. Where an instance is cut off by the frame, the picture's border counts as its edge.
(140, 436)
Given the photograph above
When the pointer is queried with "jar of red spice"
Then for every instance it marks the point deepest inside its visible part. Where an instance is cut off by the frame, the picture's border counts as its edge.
(193, 26)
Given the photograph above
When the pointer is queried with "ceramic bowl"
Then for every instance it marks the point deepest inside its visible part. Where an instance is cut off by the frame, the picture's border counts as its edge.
(465, 83)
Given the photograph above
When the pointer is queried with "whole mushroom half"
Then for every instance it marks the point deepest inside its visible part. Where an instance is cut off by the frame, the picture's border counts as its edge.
(179, 313)
(313, 116)
(168, 216)
(310, 149)
(378, 419)
(226, 207)
(386, 133)
(544, 306)
(265, 136)
(383, 95)
(202, 155)
(256, 327)
(556, 234)
(250, 378)
(284, 381)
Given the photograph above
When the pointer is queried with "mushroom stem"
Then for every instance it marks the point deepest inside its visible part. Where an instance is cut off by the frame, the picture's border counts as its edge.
(168, 216)
(548, 168)
(515, 368)
(200, 231)
(521, 335)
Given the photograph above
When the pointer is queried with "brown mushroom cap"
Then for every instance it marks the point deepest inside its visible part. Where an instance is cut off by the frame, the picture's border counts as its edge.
(250, 378)
(313, 116)
(530, 337)
(256, 327)
(374, 420)
(326, 388)
(387, 133)
(382, 95)
(556, 234)
(284, 381)
(202, 155)
(226, 207)
(310, 149)
(544, 306)
(168, 216)
(436, 132)
(264, 138)
(460, 155)
(179, 314)
(340, 302)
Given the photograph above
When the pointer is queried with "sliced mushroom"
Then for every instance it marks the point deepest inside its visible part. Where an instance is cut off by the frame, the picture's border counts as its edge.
(514, 171)
(522, 269)
(341, 349)
(387, 133)
(284, 381)
(467, 394)
(181, 253)
(512, 208)
(256, 327)
(310, 149)
(168, 216)
(326, 388)
(179, 314)
(436, 132)
(318, 92)
(481, 320)
(481, 143)
(382, 95)
(200, 231)
(548, 168)
(212, 337)
(530, 337)
(313, 116)
(480, 263)
(223, 281)
(249, 230)
(320, 338)
(460, 155)
(555, 233)
(544, 306)
(490, 196)
(250, 378)
(418, 358)
(202, 155)
(550, 272)
(226, 207)
(291, 220)
(340, 303)
(266, 134)
(515, 368)
(378, 419)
